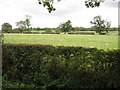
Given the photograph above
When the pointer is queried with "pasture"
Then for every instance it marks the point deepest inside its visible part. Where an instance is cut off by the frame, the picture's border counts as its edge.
(90, 41)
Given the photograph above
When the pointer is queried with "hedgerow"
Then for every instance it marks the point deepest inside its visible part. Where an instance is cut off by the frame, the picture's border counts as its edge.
(36, 66)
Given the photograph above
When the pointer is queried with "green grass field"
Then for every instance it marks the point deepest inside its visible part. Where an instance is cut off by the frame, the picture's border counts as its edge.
(99, 41)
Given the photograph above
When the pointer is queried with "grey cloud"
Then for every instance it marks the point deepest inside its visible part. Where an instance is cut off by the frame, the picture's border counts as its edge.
(111, 3)
(67, 10)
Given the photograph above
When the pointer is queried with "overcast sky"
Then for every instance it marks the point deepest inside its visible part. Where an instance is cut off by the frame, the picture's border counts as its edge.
(12, 11)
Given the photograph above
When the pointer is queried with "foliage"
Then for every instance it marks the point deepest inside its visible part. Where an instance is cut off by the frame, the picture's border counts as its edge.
(27, 20)
(1, 38)
(24, 24)
(93, 3)
(35, 66)
(6, 27)
(100, 25)
(48, 3)
(50, 7)
(58, 30)
(83, 33)
(66, 27)
(21, 24)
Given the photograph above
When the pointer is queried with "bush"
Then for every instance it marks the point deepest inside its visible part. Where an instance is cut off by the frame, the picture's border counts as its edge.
(36, 66)
(49, 33)
(83, 33)
(102, 33)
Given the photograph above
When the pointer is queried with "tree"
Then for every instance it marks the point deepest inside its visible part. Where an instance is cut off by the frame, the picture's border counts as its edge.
(100, 25)
(107, 26)
(27, 21)
(21, 24)
(66, 27)
(88, 3)
(24, 24)
(6, 27)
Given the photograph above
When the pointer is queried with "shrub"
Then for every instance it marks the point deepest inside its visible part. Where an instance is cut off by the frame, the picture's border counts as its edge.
(83, 33)
(36, 66)
(102, 33)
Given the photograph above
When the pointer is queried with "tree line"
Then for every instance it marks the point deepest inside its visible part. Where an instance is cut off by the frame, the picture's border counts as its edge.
(98, 24)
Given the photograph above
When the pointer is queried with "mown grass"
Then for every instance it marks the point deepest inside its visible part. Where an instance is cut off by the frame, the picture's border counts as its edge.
(94, 41)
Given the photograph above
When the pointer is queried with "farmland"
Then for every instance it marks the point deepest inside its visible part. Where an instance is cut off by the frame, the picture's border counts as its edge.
(90, 41)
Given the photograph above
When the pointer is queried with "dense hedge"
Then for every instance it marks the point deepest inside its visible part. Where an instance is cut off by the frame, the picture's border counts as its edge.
(27, 66)
(83, 33)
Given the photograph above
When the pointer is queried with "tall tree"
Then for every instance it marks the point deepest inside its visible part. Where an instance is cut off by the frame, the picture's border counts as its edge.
(66, 27)
(24, 24)
(100, 24)
(21, 24)
(107, 26)
(88, 3)
(6, 27)
(27, 20)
